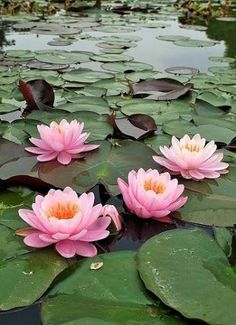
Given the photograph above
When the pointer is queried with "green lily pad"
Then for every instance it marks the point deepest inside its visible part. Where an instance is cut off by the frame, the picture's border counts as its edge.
(12, 200)
(7, 108)
(21, 54)
(215, 208)
(186, 267)
(97, 297)
(85, 76)
(61, 57)
(126, 66)
(112, 87)
(121, 38)
(158, 140)
(195, 43)
(172, 38)
(111, 57)
(114, 29)
(11, 245)
(27, 277)
(208, 129)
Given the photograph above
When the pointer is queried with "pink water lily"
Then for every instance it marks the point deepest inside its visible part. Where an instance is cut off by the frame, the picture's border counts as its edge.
(150, 194)
(192, 158)
(62, 141)
(66, 220)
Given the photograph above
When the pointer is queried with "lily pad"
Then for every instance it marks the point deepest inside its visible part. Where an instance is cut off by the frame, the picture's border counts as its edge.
(195, 43)
(7, 108)
(185, 267)
(27, 277)
(182, 70)
(111, 58)
(61, 57)
(126, 66)
(173, 38)
(93, 296)
(215, 208)
(85, 76)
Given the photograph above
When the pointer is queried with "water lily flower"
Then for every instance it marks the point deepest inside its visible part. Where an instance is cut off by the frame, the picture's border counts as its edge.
(63, 141)
(111, 211)
(192, 158)
(66, 220)
(150, 194)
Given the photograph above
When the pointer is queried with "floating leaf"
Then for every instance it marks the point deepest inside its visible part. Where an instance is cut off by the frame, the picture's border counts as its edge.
(111, 58)
(136, 126)
(204, 108)
(186, 267)
(37, 93)
(85, 76)
(62, 57)
(27, 277)
(96, 296)
(154, 85)
(172, 38)
(126, 66)
(195, 43)
(182, 70)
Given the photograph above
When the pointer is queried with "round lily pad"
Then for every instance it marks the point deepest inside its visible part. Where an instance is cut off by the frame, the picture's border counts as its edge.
(111, 58)
(182, 70)
(195, 43)
(121, 38)
(114, 29)
(127, 66)
(59, 43)
(186, 268)
(85, 76)
(61, 57)
(172, 38)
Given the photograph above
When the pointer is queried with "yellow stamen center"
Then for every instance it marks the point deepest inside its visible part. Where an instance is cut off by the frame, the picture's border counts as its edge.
(191, 147)
(154, 186)
(63, 211)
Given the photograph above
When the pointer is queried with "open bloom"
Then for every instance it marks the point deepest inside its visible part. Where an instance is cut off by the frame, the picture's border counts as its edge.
(66, 220)
(63, 141)
(149, 194)
(192, 158)
(111, 211)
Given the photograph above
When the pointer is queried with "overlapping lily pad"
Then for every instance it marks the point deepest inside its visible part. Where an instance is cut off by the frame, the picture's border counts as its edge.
(85, 76)
(96, 296)
(185, 267)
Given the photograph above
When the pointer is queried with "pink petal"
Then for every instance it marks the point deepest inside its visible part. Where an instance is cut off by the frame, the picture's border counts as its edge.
(33, 240)
(66, 248)
(166, 163)
(64, 158)
(85, 249)
(47, 156)
(178, 204)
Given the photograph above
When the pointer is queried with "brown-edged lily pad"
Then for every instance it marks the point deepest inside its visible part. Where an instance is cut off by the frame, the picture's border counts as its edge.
(135, 126)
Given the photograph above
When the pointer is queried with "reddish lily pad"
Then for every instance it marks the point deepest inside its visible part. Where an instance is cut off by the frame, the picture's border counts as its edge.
(37, 93)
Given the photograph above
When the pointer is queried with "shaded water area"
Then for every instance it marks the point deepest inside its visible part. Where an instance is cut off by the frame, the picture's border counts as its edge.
(99, 37)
